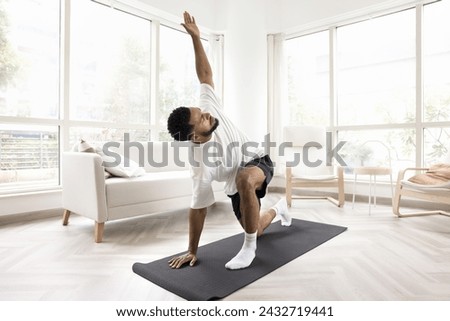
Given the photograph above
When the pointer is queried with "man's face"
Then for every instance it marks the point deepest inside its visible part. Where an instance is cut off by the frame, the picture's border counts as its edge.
(204, 125)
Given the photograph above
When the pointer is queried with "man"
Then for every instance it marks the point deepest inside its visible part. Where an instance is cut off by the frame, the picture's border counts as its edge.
(245, 169)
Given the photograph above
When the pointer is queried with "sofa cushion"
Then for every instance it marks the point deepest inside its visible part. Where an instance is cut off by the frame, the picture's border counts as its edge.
(148, 187)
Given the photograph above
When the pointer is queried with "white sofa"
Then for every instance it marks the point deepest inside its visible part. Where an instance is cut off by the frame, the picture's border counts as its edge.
(166, 184)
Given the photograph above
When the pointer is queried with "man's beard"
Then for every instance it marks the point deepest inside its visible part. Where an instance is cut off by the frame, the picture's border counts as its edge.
(209, 132)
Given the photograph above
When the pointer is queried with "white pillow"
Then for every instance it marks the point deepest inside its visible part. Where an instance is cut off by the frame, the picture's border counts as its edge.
(132, 170)
(83, 146)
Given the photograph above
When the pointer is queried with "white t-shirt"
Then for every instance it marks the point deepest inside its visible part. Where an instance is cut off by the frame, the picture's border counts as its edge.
(220, 158)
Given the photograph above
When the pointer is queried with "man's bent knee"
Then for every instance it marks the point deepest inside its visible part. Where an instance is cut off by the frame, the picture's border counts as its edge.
(244, 185)
(248, 179)
(244, 181)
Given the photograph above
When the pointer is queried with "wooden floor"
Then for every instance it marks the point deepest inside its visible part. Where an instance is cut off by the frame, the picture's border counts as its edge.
(379, 257)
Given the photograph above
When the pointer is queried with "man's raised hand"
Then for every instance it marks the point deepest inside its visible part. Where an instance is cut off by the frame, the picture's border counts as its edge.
(190, 26)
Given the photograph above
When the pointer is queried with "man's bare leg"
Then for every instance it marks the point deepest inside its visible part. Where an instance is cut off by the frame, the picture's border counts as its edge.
(254, 223)
(248, 180)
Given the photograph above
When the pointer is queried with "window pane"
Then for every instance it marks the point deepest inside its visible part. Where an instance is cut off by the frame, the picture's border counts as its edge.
(178, 82)
(436, 144)
(308, 79)
(29, 58)
(436, 31)
(110, 65)
(376, 70)
(98, 136)
(375, 147)
(28, 156)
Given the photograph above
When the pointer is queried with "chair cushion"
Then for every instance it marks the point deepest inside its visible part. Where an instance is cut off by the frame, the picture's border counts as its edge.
(435, 188)
(436, 175)
(315, 178)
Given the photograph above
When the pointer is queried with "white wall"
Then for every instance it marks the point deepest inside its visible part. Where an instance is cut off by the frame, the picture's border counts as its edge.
(245, 66)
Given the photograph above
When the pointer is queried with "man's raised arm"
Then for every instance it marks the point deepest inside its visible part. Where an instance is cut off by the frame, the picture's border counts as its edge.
(202, 66)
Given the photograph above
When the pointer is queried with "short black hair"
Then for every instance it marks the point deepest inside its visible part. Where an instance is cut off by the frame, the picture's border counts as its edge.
(178, 124)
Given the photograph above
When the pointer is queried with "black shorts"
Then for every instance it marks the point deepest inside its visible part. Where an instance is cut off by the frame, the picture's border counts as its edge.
(266, 165)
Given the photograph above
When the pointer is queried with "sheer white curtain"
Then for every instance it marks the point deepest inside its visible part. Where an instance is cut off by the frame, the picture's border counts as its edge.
(277, 93)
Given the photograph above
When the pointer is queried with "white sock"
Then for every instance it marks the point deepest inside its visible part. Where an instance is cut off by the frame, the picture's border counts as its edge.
(246, 255)
(281, 209)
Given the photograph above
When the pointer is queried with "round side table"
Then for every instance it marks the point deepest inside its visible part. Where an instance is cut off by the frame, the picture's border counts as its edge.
(372, 172)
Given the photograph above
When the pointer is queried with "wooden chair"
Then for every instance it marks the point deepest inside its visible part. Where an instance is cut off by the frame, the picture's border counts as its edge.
(439, 194)
(306, 164)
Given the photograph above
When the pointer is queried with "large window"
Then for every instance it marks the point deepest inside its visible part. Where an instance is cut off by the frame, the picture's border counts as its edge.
(436, 70)
(376, 85)
(29, 58)
(110, 71)
(308, 79)
(121, 72)
(376, 70)
(29, 93)
(377, 82)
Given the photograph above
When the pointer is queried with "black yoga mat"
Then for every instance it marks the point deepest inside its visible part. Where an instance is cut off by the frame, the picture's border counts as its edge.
(210, 280)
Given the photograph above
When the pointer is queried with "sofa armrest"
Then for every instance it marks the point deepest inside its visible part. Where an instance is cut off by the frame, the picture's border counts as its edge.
(83, 184)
